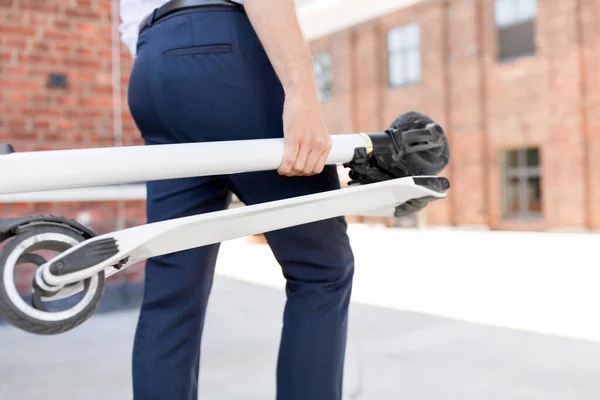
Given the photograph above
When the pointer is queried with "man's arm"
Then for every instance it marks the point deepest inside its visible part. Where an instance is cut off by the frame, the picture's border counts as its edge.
(307, 141)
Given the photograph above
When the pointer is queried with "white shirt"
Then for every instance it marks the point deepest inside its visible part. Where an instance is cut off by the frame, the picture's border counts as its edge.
(132, 14)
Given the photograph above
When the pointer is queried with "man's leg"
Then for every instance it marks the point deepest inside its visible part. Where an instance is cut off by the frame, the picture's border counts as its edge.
(166, 351)
(316, 258)
(177, 286)
(318, 265)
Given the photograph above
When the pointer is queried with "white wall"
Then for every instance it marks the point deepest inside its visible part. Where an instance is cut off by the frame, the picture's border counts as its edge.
(322, 17)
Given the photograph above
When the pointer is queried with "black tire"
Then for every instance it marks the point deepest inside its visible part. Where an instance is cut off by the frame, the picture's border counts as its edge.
(428, 162)
(26, 322)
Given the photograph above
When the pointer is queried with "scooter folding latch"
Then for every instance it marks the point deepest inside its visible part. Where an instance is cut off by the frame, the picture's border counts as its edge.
(416, 140)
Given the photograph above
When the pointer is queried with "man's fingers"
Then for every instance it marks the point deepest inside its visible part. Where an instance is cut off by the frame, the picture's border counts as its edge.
(301, 158)
(321, 162)
(305, 158)
(323, 155)
(312, 161)
(289, 158)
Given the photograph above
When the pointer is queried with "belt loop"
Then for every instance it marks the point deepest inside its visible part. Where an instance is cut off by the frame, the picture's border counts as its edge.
(152, 17)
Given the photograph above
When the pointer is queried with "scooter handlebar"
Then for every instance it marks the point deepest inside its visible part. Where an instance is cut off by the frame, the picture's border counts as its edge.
(75, 168)
(413, 145)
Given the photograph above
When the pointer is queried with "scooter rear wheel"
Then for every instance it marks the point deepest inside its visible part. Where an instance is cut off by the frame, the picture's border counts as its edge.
(32, 316)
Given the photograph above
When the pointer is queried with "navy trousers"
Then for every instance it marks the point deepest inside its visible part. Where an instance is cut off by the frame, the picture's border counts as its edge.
(202, 75)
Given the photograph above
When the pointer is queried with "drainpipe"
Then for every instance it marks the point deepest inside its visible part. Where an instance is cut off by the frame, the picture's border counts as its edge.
(117, 99)
(585, 131)
(483, 103)
(447, 82)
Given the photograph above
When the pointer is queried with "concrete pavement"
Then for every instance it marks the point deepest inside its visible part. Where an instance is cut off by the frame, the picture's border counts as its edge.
(392, 355)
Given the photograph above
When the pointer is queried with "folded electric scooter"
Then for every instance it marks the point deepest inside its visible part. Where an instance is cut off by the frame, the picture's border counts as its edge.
(392, 173)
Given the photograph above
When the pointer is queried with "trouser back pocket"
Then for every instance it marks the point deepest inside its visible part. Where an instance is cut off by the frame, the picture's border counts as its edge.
(202, 49)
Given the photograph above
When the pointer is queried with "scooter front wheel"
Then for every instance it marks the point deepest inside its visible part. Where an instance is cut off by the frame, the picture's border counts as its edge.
(41, 315)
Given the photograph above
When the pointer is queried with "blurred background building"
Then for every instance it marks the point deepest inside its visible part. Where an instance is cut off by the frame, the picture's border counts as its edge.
(515, 84)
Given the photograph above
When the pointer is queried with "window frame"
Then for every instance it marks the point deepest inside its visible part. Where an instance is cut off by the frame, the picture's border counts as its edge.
(403, 51)
(521, 24)
(316, 59)
(522, 172)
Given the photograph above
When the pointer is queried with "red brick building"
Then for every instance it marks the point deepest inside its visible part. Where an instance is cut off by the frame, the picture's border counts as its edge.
(515, 83)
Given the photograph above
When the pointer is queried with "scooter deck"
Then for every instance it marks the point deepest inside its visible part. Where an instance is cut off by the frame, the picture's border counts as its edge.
(131, 245)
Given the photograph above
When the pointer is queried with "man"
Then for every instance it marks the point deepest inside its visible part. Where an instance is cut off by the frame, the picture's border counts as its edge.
(227, 72)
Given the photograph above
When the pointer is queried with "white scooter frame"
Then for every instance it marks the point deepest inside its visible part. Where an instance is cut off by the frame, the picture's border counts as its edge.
(87, 260)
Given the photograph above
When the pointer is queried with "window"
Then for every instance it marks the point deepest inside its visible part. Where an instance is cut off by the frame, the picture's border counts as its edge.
(323, 74)
(515, 23)
(522, 183)
(404, 55)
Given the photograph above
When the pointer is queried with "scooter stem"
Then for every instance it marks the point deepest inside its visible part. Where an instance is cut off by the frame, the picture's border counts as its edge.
(76, 168)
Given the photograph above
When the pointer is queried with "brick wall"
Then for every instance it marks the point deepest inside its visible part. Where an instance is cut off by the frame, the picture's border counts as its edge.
(65, 37)
(589, 33)
(70, 37)
(549, 100)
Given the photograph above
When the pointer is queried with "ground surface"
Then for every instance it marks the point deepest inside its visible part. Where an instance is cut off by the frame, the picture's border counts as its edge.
(436, 315)
(392, 355)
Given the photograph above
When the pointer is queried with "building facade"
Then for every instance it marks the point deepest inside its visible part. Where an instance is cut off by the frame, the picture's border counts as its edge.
(515, 84)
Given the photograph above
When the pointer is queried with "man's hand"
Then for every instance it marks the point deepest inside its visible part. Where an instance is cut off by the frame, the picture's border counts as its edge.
(307, 141)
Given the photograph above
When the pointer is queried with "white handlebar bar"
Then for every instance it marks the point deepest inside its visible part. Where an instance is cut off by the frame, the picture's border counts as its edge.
(76, 168)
